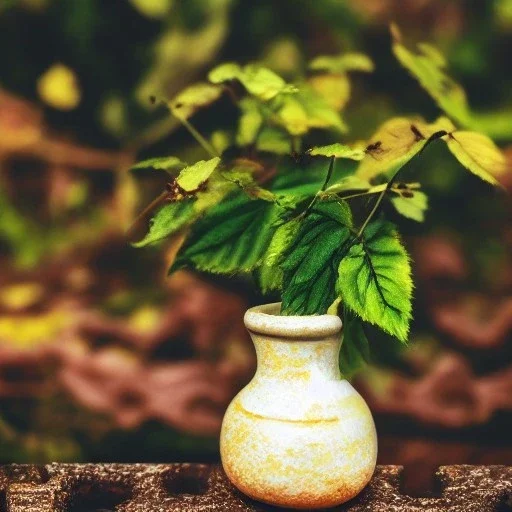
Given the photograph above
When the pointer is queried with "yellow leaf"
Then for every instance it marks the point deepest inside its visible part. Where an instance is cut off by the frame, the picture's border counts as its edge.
(338, 150)
(250, 122)
(350, 183)
(478, 153)
(334, 89)
(257, 80)
(156, 9)
(293, 117)
(221, 140)
(193, 98)
(413, 206)
(396, 142)
(192, 177)
(58, 87)
(427, 66)
(283, 56)
(342, 63)
(20, 296)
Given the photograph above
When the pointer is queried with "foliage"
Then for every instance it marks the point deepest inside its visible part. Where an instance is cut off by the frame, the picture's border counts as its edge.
(62, 223)
(309, 281)
(296, 224)
(428, 67)
(374, 280)
(231, 237)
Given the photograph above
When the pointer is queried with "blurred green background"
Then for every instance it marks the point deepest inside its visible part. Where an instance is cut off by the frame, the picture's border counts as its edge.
(104, 358)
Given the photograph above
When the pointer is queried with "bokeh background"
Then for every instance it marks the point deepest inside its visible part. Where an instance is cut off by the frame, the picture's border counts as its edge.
(104, 358)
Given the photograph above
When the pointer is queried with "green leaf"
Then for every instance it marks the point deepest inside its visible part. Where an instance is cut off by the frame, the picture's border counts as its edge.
(269, 279)
(176, 215)
(427, 66)
(243, 178)
(342, 63)
(225, 72)
(270, 273)
(165, 163)
(396, 142)
(232, 237)
(293, 116)
(413, 206)
(218, 187)
(192, 177)
(374, 280)
(355, 349)
(283, 237)
(298, 181)
(311, 262)
(478, 153)
(170, 219)
(193, 98)
(274, 140)
(264, 83)
(221, 140)
(337, 151)
(250, 122)
(306, 110)
(320, 113)
(348, 183)
(257, 80)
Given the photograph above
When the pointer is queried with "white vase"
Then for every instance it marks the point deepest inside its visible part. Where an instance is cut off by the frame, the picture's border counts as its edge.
(298, 435)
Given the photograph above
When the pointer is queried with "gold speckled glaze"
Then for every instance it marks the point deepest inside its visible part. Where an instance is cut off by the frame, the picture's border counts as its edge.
(298, 435)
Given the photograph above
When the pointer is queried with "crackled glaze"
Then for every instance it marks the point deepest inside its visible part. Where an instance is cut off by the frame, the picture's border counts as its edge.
(298, 435)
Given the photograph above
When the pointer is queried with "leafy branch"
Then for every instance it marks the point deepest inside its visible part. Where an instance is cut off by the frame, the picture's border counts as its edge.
(281, 217)
(433, 137)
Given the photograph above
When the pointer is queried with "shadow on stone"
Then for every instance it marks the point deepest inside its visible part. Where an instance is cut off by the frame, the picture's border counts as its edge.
(191, 480)
(506, 504)
(3, 501)
(98, 497)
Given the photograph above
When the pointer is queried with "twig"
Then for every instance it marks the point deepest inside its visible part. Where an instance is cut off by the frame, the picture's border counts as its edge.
(199, 138)
(324, 186)
(434, 136)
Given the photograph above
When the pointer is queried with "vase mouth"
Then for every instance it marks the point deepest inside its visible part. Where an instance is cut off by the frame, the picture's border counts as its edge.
(266, 319)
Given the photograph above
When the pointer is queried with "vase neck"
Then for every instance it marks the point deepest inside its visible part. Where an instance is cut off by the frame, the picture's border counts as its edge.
(281, 358)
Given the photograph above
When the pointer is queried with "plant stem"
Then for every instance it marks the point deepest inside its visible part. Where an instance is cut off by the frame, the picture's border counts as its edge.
(433, 137)
(199, 138)
(359, 194)
(372, 213)
(324, 186)
(142, 215)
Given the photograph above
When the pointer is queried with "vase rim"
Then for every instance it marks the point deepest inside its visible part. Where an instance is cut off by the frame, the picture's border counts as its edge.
(265, 319)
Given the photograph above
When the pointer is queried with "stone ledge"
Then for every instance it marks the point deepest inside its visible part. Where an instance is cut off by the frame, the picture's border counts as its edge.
(202, 487)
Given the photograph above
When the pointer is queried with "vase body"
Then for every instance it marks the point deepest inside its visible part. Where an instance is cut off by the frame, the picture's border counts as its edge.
(298, 435)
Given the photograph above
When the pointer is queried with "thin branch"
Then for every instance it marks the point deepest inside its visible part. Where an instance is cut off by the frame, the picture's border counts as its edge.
(142, 215)
(324, 186)
(434, 136)
(368, 192)
(372, 213)
(199, 138)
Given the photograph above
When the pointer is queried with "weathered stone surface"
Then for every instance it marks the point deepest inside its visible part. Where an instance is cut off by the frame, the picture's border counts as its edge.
(201, 487)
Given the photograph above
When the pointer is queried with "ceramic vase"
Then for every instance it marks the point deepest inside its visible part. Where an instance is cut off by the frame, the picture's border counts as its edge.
(298, 435)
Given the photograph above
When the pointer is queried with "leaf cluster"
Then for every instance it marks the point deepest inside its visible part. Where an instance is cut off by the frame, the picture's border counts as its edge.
(308, 224)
